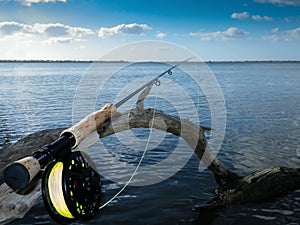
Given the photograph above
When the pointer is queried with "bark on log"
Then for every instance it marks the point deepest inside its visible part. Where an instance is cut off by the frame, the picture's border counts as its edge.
(261, 185)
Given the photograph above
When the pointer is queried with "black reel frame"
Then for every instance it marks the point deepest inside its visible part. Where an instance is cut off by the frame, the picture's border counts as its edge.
(81, 187)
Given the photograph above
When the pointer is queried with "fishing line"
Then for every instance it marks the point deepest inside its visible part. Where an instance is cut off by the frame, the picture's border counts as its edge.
(140, 161)
(55, 191)
(157, 83)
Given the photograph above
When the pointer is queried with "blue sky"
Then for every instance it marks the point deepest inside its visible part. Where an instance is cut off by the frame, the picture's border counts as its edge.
(213, 29)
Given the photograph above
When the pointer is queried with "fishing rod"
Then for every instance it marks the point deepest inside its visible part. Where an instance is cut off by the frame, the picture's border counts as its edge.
(169, 71)
(71, 186)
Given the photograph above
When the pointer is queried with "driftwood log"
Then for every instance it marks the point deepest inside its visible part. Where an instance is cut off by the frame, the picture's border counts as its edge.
(231, 188)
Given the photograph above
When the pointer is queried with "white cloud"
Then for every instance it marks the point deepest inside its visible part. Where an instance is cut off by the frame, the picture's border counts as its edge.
(292, 35)
(51, 33)
(240, 16)
(30, 2)
(11, 27)
(261, 18)
(133, 28)
(58, 29)
(54, 30)
(161, 35)
(60, 40)
(246, 15)
(280, 2)
(56, 40)
(61, 33)
(230, 33)
(288, 35)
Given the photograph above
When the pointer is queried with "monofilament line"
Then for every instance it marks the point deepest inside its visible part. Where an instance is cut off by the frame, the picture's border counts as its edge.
(139, 163)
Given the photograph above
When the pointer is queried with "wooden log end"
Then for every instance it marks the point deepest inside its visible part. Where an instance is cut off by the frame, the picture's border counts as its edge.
(262, 185)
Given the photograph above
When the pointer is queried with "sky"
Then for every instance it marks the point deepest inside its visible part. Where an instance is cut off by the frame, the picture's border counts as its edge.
(216, 30)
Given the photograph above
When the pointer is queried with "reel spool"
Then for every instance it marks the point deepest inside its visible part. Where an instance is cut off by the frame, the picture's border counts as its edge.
(71, 189)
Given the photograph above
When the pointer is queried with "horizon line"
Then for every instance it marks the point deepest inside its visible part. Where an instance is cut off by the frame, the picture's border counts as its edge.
(125, 61)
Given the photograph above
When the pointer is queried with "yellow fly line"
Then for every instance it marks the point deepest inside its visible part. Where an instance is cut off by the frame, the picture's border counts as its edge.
(56, 192)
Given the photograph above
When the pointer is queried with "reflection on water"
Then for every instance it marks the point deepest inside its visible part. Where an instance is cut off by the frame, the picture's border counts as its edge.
(263, 105)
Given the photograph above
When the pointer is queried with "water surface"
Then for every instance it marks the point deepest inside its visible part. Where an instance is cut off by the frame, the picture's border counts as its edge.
(262, 103)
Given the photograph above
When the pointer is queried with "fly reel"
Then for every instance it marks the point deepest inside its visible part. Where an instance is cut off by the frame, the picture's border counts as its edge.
(71, 189)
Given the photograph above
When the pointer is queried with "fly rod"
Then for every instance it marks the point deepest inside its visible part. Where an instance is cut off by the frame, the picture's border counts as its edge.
(20, 173)
(169, 71)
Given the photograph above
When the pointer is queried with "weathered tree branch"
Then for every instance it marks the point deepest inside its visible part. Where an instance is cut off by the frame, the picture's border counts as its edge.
(191, 133)
(261, 185)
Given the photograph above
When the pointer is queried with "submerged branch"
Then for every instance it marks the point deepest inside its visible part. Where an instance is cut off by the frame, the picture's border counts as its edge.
(261, 185)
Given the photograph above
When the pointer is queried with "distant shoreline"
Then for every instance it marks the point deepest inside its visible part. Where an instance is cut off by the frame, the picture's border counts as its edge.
(122, 61)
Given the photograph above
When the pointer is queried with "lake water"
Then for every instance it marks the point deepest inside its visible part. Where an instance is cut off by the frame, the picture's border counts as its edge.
(262, 129)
